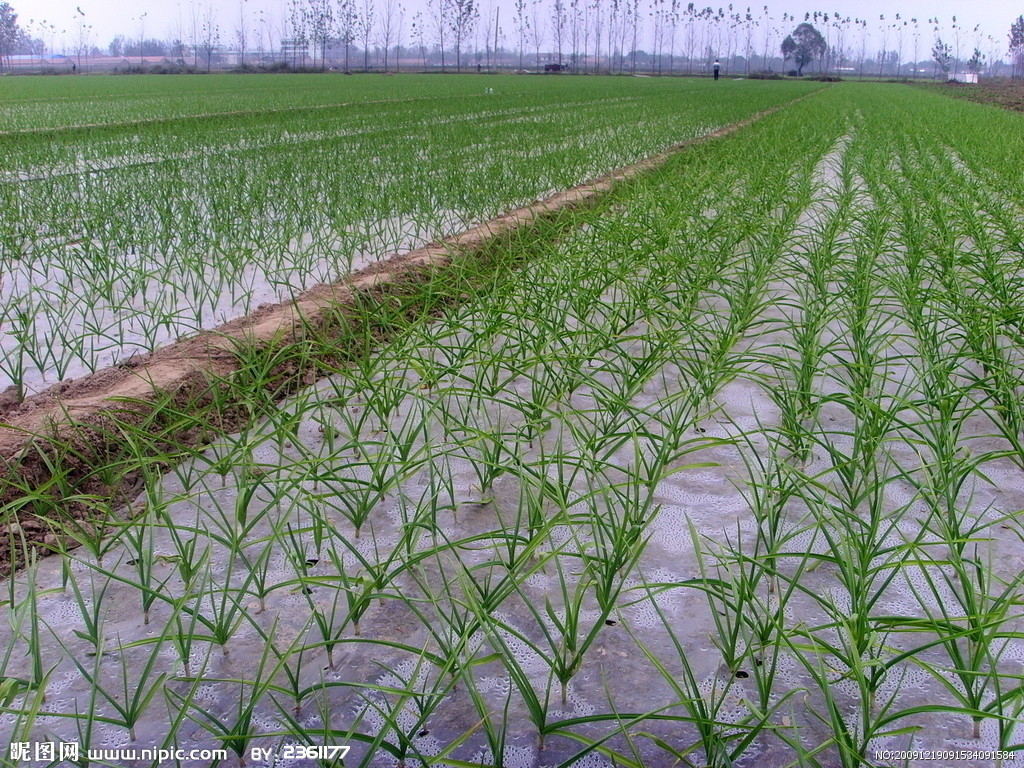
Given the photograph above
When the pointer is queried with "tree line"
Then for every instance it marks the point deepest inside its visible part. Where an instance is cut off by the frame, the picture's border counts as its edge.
(664, 36)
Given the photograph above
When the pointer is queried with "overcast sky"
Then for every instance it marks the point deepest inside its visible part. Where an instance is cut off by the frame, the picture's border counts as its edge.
(163, 18)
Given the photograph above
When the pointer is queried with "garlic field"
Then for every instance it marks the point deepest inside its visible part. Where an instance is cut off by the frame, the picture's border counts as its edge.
(175, 212)
(722, 470)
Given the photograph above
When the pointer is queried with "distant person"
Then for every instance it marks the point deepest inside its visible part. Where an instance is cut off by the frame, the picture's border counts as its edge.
(715, 67)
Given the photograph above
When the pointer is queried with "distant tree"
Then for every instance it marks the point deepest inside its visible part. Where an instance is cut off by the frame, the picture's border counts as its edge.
(956, 49)
(537, 28)
(1017, 46)
(10, 33)
(490, 31)
(673, 24)
(321, 28)
(901, 30)
(559, 21)
(803, 46)
(766, 24)
(577, 30)
(193, 38)
(298, 21)
(942, 55)
(261, 33)
(365, 25)
(633, 12)
(148, 47)
(83, 36)
(419, 33)
(399, 37)
(177, 50)
(882, 54)
(347, 17)
(522, 27)
(387, 29)
(211, 36)
(241, 33)
(977, 61)
(142, 36)
(993, 57)
(438, 10)
(616, 34)
(748, 44)
(838, 49)
(788, 48)
(917, 44)
(462, 16)
(691, 35)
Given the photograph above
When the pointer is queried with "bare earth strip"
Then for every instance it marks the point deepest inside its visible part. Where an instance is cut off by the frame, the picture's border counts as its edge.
(73, 413)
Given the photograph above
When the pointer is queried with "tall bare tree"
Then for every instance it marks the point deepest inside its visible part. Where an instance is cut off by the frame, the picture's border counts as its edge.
(419, 33)
(298, 21)
(839, 46)
(559, 22)
(194, 38)
(10, 33)
(917, 46)
(462, 15)
(901, 31)
(884, 35)
(537, 30)
(439, 10)
(598, 26)
(673, 23)
(490, 22)
(748, 39)
(1017, 46)
(386, 30)
(577, 29)
(942, 54)
(399, 36)
(261, 35)
(691, 35)
(634, 23)
(957, 32)
(84, 37)
(321, 28)
(346, 17)
(211, 36)
(241, 33)
(522, 22)
(365, 27)
(768, 27)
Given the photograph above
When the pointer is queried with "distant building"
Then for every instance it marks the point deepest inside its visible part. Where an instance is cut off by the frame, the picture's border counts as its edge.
(293, 49)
